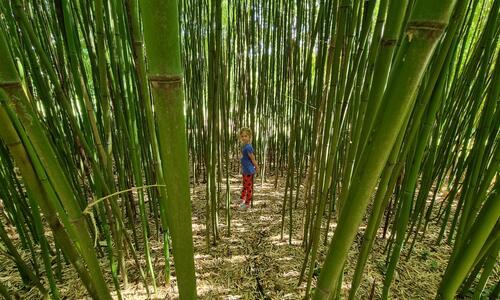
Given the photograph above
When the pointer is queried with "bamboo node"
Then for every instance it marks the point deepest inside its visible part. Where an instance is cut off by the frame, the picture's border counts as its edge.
(388, 42)
(323, 291)
(426, 29)
(165, 79)
(13, 144)
(10, 84)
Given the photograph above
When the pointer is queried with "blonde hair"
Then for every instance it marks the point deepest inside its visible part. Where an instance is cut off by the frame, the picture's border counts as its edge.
(246, 130)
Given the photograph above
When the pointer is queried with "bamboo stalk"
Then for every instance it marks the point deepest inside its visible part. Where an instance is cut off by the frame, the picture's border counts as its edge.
(165, 77)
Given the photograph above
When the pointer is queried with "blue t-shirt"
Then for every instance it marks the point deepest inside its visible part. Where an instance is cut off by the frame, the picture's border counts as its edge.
(247, 166)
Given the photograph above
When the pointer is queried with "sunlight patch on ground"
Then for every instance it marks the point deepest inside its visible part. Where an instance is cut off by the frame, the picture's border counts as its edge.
(287, 258)
(292, 273)
(202, 256)
(240, 229)
(198, 227)
(235, 223)
(236, 259)
(232, 297)
(276, 240)
(265, 218)
(206, 291)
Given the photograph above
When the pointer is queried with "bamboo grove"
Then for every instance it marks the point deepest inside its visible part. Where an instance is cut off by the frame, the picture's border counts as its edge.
(367, 110)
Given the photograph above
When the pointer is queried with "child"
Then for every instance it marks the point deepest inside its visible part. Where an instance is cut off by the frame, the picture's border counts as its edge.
(248, 165)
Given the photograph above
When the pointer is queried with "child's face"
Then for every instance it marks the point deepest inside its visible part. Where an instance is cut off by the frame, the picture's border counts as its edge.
(244, 138)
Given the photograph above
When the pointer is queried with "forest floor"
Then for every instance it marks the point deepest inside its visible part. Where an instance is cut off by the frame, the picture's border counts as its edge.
(253, 262)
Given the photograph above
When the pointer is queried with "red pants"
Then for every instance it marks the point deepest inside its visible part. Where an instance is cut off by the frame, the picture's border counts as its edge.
(246, 192)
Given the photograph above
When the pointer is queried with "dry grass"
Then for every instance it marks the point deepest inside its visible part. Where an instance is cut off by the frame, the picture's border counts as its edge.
(253, 262)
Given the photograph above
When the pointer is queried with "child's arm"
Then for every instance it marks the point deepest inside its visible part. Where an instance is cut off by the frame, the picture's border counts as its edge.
(254, 162)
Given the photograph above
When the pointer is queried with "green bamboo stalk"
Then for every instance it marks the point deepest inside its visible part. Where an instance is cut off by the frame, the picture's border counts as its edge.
(420, 41)
(9, 78)
(457, 270)
(424, 135)
(160, 18)
(4, 291)
(379, 203)
(387, 47)
(36, 190)
(138, 48)
(489, 264)
(28, 276)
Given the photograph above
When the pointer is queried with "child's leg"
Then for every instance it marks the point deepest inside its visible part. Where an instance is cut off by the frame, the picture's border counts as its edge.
(244, 189)
(249, 186)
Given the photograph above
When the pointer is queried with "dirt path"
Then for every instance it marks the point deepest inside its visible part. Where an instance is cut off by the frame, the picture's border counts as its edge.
(255, 263)
(252, 263)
